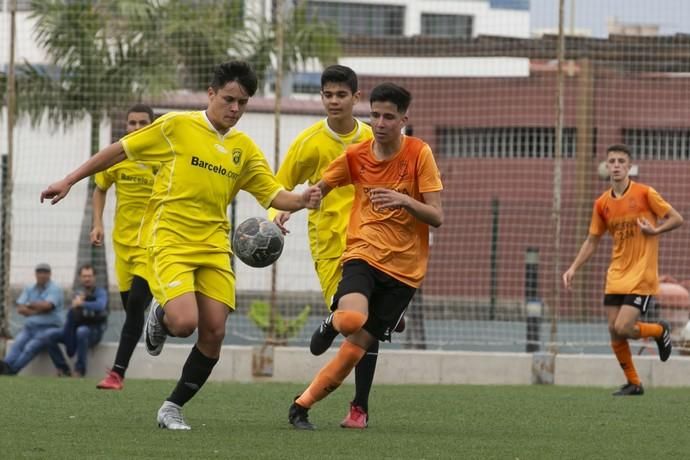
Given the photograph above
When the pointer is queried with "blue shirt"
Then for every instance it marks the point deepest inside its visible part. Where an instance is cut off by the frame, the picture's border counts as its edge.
(52, 293)
(96, 301)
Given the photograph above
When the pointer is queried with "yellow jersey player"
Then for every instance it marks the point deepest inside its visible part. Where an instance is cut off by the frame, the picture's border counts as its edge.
(133, 183)
(397, 197)
(630, 212)
(204, 162)
(309, 155)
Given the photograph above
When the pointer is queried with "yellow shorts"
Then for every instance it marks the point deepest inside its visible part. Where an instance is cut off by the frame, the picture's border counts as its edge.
(130, 261)
(174, 271)
(329, 271)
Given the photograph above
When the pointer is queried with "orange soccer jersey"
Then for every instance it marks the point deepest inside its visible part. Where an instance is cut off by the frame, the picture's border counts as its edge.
(634, 256)
(392, 240)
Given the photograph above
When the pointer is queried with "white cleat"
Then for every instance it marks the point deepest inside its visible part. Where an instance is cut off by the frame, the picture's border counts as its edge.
(154, 333)
(170, 417)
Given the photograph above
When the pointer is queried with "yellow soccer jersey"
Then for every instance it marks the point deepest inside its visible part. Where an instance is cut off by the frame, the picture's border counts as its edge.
(201, 172)
(133, 184)
(309, 155)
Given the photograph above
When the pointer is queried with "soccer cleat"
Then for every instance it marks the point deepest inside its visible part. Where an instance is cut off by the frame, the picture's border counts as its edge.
(664, 341)
(111, 381)
(400, 327)
(629, 389)
(155, 333)
(298, 417)
(170, 417)
(356, 418)
(323, 337)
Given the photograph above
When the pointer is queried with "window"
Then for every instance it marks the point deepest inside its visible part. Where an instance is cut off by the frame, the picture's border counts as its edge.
(504, 142)
(658, 144)
(22, 5)
(447, 25)
(360, 18)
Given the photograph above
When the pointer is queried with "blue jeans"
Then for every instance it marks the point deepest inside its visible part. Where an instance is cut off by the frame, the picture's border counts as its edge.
(30, 341)
(84, 337)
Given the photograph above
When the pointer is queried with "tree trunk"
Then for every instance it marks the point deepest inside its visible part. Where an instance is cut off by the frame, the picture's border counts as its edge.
(88, 253)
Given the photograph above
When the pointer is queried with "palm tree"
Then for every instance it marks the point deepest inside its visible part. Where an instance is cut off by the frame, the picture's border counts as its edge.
(306, 37)
(103, 54)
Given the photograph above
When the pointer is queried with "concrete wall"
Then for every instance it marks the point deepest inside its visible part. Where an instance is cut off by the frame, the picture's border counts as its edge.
(292, 364)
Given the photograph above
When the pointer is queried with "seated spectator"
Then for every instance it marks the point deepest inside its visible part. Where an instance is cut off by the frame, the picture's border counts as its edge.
(85, 323)
(42, 305)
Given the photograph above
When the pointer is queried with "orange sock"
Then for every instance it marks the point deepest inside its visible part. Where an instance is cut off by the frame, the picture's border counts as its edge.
(622, 350)
(332, 374)
(649, 329)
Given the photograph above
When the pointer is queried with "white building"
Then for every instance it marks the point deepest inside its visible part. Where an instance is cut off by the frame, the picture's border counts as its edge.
(44, 153)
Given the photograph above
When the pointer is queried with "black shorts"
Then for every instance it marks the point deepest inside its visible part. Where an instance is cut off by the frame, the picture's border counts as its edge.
(641, 302)
(388, 297)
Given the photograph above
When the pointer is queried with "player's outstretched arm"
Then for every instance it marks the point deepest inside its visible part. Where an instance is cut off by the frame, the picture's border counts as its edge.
(428, 211)
(292, 201)
(585, 252)
(110, 155)
(98, 202)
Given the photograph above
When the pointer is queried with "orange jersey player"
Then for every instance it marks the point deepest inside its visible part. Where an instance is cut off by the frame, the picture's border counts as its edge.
(630, 212)
(397, 197)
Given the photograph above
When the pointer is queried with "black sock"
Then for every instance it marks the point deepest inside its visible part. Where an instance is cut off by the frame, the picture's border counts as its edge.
(137, 299)
(364, 376)
(195, 371)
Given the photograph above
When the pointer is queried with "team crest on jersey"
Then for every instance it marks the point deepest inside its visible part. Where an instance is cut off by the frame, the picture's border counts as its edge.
(402, 168)
(632, 204)
(236, 156)
(220, 148)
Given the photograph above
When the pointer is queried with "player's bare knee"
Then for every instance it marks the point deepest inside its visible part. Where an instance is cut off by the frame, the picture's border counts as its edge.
(348, 322)
(624, 330)
(214, 334)
(180, 327)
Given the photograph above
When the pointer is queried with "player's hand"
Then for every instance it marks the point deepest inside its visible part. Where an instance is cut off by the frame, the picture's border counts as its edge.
(646, 226)
(96, 235)
(385, 198)
(568, 278)
(280, 219)
(56, 191)
(312, 197)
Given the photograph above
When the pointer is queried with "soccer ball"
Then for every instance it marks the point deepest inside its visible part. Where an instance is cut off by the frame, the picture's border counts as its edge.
(257, 242)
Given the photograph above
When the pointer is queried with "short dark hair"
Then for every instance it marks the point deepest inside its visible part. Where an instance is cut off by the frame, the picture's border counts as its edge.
(87, 267)
(340, 74)
(238, 71)
(142, 108)
(390, 92)
(619, 148)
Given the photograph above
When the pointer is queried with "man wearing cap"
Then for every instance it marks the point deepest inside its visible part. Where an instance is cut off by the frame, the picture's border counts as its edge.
(42, 306)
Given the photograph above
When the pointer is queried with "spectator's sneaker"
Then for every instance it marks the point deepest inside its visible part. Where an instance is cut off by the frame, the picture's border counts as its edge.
(664, 341)
(323, 337)
(111, 381)
(356, 418)
(629, 389)
(298, 416)
(170, 417)
(400, 327)
(154, 332)
(64, 373)
(5, 368)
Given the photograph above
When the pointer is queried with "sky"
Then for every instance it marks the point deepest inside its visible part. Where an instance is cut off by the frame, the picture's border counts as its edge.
(673, 16)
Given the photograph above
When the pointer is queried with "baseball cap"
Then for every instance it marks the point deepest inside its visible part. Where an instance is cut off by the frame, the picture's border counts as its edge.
(43, 267)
